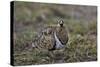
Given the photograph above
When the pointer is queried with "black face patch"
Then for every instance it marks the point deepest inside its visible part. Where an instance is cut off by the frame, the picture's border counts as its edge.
(61, 25)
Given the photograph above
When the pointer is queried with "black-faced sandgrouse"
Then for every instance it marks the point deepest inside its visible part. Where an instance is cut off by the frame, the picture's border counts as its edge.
(52, 37)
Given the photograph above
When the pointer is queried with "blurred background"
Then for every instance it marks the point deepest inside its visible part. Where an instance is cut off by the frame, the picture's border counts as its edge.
(80, 21)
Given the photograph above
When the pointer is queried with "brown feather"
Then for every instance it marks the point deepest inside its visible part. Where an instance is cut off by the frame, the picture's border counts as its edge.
(62, 35)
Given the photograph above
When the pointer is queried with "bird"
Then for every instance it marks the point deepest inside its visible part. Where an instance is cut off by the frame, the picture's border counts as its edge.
(61, 35)
(52, 38)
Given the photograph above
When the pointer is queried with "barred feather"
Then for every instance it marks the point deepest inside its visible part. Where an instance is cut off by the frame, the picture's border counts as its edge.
(51, 38)
(45, 41)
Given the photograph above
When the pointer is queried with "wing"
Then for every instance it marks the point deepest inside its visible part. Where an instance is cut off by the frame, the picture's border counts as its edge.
(46, 40)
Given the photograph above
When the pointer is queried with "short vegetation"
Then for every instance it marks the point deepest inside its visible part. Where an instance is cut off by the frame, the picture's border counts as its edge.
(80, 21)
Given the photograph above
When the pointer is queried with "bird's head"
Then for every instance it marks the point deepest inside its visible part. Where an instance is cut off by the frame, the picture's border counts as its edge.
(60, 23)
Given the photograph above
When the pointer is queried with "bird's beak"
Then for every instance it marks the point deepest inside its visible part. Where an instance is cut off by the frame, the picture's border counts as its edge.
(61, 25)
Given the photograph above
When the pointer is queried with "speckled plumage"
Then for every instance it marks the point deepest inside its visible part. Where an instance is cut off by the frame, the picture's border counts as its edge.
(46, 40)
(52, 38)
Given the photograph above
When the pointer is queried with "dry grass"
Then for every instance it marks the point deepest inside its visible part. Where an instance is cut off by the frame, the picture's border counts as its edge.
(82, 44)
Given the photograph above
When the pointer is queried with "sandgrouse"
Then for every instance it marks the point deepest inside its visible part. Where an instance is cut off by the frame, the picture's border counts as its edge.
(52, 37)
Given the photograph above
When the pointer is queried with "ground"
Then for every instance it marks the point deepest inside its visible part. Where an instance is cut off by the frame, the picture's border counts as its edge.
(80, 21)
